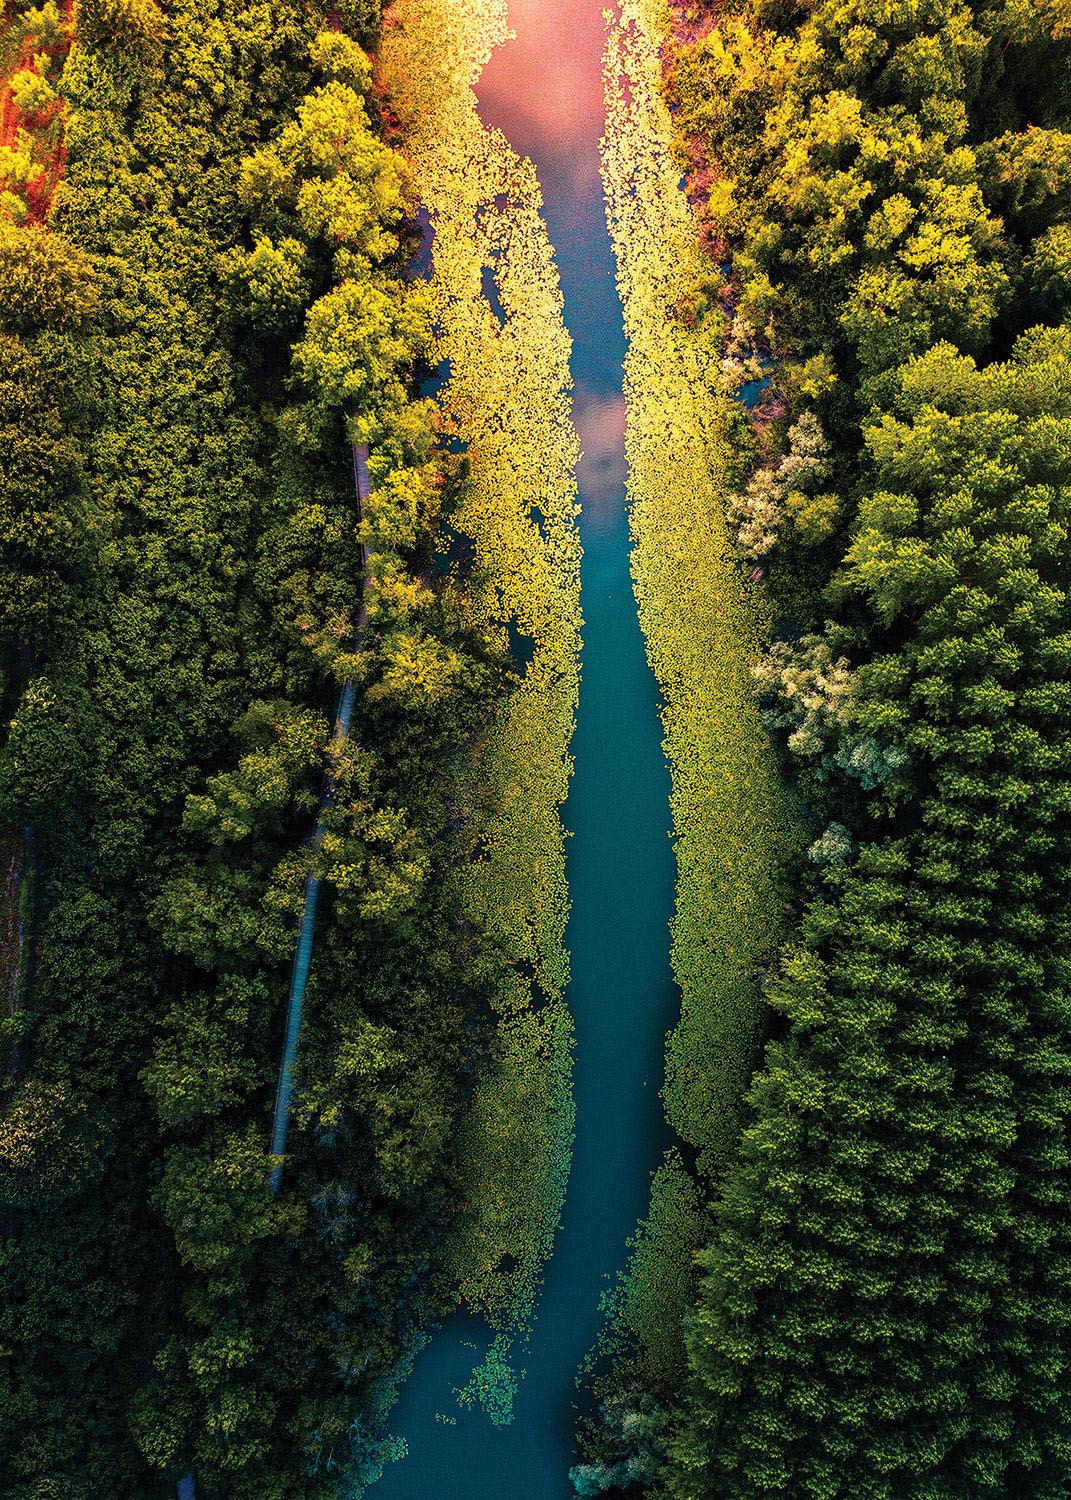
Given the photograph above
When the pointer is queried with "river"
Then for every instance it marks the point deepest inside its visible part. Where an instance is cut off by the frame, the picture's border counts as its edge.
(543, 90)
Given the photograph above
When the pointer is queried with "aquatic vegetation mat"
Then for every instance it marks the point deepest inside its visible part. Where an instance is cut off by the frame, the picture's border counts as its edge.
(704, 620)
(499, 334)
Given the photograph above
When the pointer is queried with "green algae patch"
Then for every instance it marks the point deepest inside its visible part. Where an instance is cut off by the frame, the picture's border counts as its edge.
(703, 619)
(506, 403)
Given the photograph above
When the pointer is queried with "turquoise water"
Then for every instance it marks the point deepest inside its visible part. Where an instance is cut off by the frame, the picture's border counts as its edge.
(544, 92)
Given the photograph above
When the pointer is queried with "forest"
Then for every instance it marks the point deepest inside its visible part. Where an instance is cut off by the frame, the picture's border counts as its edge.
(211, 314)
(298, 582)
(881, 1307)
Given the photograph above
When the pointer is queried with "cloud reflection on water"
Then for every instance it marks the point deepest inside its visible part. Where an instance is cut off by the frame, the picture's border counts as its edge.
(544, 91)
(600, 424)
(545, 87)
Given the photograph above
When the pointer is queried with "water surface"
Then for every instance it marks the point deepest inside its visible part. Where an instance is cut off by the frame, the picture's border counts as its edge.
(544, 91)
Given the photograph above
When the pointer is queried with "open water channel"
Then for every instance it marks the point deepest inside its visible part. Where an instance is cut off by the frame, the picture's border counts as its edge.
(544, 91)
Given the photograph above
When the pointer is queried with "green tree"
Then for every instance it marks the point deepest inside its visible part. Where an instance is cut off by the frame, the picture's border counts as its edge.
(884, 1310)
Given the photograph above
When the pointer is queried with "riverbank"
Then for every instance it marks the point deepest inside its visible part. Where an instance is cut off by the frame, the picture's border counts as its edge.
(704, 623)
(505, 400)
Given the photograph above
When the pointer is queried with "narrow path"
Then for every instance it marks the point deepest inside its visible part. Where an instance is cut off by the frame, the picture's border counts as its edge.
(544, 92)
(16, 864)
(299, 978)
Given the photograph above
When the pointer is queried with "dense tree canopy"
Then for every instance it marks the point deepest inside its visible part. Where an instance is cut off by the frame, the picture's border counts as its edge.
(883, 1306)
(209, 328)
(215, 311)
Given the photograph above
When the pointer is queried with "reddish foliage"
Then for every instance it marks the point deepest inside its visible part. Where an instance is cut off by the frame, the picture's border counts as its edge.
(390, 122)
(43, 126)
(690, 21)
(772, 406)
